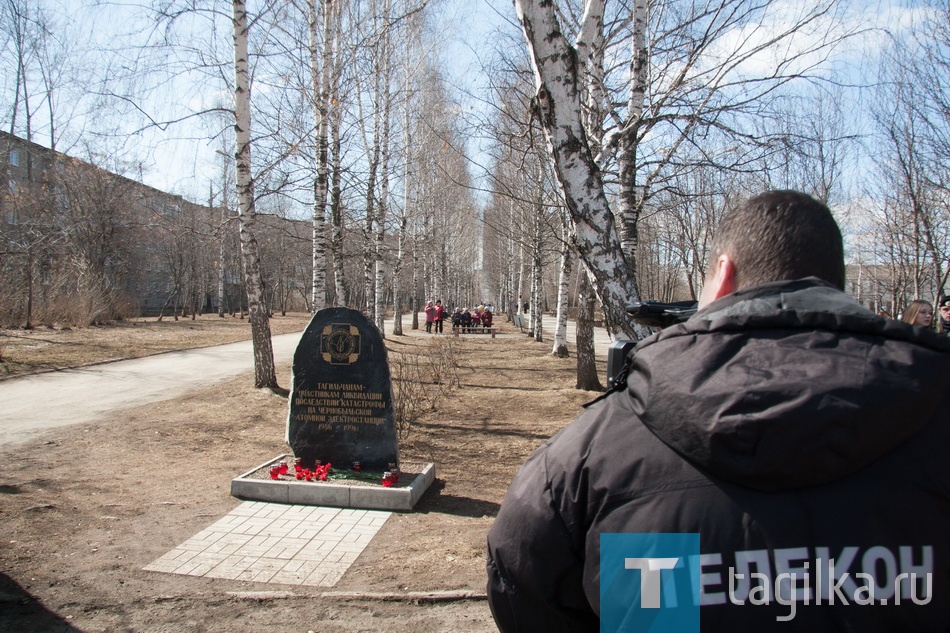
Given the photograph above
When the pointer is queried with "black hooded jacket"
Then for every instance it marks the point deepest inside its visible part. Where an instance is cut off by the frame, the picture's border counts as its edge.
(785, 424)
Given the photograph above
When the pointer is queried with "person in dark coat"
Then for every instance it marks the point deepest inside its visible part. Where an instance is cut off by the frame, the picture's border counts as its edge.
(943, 313)
(801, 438)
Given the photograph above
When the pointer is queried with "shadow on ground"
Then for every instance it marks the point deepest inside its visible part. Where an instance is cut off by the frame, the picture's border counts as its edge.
(21, 612)
(434, 501)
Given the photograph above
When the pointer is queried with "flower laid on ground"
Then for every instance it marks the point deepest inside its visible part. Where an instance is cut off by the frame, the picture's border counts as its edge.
(325, 472)
(322, 471)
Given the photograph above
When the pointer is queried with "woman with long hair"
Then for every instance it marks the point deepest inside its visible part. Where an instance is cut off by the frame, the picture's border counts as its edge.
(918, 312)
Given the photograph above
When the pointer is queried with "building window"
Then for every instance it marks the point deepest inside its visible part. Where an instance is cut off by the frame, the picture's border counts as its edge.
(14, 158)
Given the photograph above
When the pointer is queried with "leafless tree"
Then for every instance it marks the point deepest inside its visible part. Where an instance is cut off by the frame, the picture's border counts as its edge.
(685, 88)
(265, 374)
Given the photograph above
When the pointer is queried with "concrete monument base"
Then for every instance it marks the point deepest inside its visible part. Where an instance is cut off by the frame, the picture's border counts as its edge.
(336, 494)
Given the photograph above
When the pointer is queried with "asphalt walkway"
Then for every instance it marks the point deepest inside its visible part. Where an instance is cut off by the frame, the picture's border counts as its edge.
(30, 405)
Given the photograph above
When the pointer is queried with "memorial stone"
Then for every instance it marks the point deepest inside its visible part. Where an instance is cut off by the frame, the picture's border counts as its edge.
(341, 404)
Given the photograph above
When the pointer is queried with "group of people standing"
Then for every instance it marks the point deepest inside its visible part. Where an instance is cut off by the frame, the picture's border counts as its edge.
(435, 315)
(920, 313)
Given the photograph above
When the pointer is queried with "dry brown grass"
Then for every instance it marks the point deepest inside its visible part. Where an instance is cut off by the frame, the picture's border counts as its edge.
(84, 508)
(45, 349)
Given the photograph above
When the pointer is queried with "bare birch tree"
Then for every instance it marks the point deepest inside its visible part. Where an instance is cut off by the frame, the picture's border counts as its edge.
(685, 86)
(563, 286)
(558, 108)
(322, 47)
(265, 374)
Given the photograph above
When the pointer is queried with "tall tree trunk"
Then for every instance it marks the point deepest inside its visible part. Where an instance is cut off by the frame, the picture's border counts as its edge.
(379, 283)
(334, 114)
(587, 378)
(220, 272)
(265, 375)
(537, 243)
(397, 270)
(564, 280)
(559, 110)
(321, 67)
(414, 301)
(369, 232)
(28, 324)
(510, 306)
(336, 214)
(630, 196)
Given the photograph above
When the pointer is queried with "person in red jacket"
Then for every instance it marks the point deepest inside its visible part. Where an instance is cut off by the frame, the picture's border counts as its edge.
(486, 319)
(430, 311)
(439, 317)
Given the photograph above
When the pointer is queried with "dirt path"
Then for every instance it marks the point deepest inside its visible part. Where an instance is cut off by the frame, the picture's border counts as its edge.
(83, 508)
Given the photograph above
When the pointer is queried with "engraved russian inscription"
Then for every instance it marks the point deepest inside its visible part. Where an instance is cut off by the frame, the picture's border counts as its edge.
(341, 405)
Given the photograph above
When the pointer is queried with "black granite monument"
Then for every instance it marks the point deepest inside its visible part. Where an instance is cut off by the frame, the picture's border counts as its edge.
(341, 406)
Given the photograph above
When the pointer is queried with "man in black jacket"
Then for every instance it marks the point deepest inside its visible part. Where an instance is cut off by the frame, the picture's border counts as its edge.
(803, 438)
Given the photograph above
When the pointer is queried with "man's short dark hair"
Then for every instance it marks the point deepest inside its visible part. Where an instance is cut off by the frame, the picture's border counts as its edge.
(781, 235)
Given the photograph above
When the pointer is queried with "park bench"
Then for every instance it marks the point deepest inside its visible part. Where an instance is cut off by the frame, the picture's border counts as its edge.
(475, 329)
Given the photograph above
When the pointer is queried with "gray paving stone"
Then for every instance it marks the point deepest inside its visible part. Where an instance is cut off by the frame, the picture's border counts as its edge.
(276, 543)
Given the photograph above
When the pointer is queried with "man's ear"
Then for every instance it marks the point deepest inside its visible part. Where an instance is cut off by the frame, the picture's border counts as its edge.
(720, 281)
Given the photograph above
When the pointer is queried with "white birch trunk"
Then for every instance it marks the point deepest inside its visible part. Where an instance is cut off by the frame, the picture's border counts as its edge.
(336, 207)
(397, 270)
(537, 245)
(379, 283)
(403, 220)
(521, 301)
(564, 281)
(590, 56)
(587, 378)
(333, 97)
(320, 73)
(630, 195)
(414, 297)
(220, 235)
(265, 374)
(369, 251)
(428, 273)
(537, 295)
(511, 308)
(559, 109)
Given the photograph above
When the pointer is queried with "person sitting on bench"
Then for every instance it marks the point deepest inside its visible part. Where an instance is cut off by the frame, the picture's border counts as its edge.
(486, 319)
(466, 321)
